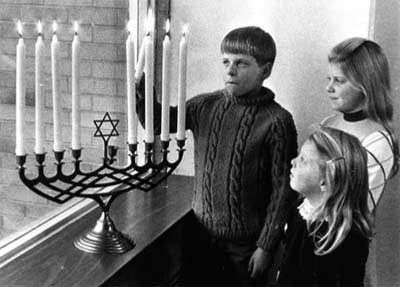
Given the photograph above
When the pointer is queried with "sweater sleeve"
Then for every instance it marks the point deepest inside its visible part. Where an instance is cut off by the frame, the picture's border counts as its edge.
(380, 162)
(282, 149)
(140, 110)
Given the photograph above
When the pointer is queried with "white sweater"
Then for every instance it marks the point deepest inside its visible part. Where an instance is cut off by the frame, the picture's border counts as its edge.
(380, 162)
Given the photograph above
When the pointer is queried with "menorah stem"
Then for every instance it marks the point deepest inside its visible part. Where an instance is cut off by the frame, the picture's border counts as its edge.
(105, 152)
(104, 237)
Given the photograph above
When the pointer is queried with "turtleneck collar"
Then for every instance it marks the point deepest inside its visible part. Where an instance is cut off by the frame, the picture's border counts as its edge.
(355, 116)
(262, 96)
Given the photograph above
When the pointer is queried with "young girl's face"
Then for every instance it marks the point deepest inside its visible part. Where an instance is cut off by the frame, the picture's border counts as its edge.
(343, 95)
(305, 174)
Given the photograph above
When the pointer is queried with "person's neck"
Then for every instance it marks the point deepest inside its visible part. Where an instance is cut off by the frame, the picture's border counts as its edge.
(355, 116)
(315, 199)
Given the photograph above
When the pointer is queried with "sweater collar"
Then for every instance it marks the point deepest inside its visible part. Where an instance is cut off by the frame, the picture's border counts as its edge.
(261, 97)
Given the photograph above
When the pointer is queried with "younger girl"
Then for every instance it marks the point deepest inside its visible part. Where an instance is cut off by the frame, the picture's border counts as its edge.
(327, 235)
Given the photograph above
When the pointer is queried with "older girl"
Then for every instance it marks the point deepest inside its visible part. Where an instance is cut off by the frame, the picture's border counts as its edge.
(359, 90)
(327, 235)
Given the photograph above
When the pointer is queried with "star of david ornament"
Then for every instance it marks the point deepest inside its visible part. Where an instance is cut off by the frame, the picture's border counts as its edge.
(108, 123)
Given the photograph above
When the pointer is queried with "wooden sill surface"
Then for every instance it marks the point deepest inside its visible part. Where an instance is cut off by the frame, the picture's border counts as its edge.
(142, 216)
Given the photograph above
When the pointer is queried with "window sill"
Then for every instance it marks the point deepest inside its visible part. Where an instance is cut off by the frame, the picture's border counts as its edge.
(54, 260)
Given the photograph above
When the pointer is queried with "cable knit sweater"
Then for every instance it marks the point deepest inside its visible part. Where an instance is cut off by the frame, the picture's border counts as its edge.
(243, 148)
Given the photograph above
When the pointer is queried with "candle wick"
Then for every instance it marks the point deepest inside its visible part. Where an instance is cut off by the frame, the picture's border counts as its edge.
(54, 33)
(20, 35)
(167, 34)
(76, 33)
(148, 33)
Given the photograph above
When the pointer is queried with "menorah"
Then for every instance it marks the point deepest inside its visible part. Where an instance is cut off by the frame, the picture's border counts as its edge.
(103, 185)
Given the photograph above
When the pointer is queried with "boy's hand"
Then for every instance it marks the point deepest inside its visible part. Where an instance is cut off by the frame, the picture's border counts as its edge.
(258, 263)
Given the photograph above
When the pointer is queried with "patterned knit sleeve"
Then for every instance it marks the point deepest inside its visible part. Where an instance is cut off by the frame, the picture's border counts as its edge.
(192, 110)
(380, 163)
(282, 148)
(140, 110)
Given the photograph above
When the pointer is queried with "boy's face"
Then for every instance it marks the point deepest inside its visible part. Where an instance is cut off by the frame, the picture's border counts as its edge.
(242, 73)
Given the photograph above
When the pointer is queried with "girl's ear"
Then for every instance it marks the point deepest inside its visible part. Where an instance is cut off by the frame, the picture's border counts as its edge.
(322, 185)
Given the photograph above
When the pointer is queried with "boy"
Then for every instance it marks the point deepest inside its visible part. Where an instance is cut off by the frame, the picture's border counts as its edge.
(244, 142)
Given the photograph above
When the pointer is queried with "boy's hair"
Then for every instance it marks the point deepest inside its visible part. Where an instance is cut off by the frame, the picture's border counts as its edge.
(252, 41)
(345, 171)
(364, 63)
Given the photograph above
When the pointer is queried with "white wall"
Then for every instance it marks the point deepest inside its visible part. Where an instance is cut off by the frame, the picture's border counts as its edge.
(304, 32)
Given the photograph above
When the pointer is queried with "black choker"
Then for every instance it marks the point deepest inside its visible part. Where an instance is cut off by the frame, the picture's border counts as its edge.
(355, 117)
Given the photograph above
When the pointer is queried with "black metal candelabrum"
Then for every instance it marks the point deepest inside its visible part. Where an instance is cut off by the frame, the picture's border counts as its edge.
(103, 185)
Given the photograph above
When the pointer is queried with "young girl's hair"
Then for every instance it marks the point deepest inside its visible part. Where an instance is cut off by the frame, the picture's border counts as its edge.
(251, 41)
(344, 166)
(364, 63)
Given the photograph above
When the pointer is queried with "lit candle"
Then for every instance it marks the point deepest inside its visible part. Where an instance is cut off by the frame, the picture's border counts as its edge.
(182, 85)
(141, 58)
(20, 93)
(55, 46)
(39, 124)
(165, 81)
(149, 66)
(130, 86)
(76, 133)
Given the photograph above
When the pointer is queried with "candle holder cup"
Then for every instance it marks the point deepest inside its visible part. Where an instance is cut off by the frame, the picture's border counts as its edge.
(103, 185)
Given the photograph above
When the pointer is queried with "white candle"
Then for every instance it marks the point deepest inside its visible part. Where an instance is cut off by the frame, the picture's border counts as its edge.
(140, 66)
(20, 94)
(149, 60)
(165, 81)
(39, 124)
(76, 133)
(140, 63)
(182, 85)
(130, 86)
(55, 46)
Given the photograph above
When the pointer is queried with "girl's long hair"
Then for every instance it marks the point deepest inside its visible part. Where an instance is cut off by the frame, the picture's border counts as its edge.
(364, 63)
(345, 199)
